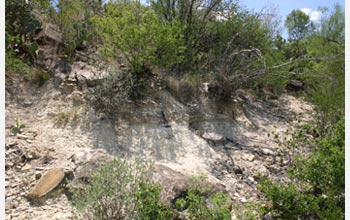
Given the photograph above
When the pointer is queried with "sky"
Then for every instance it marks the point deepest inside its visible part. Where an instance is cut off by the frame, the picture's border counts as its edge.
(286, 6)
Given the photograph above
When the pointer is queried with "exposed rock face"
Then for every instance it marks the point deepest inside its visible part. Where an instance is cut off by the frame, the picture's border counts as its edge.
(229, 142)
(85, 75)
(49, 39)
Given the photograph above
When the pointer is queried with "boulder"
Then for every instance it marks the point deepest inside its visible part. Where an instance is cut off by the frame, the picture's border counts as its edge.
(88, 155)
(87, 162)
(49, 34)
(49, 181)
(175, 184)
(86, 75)
(48, 39)
(213, 136)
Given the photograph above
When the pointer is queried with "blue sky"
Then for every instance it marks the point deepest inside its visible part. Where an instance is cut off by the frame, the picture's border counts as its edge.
(286, 6)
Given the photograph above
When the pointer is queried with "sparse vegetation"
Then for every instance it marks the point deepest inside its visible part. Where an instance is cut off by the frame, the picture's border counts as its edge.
(70, 116)
(17, 128)
(250, 211)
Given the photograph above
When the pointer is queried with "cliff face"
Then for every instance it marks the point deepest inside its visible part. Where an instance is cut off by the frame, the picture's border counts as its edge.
(230, 141)
(185, 129)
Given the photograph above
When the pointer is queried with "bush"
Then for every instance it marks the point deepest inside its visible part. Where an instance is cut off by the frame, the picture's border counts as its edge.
(114, 92)
(15, 65)
(202, 203)
(319, 182)
(149, 207)
(120, 191)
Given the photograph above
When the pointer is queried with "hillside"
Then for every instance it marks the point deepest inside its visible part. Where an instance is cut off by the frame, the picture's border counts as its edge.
(123, 110)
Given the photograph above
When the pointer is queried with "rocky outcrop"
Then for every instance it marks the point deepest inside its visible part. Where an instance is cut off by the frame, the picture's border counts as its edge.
(85, 75)
(175, 185)
(231, 143)
(48, 39)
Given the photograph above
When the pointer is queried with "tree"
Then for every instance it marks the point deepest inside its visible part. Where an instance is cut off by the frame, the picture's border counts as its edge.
(138, 33)
(333, 25)
(326, 74)
(194, 17)
(21, 22)
(317, 187)
(271, 21)
(299, 25)
(73, 19)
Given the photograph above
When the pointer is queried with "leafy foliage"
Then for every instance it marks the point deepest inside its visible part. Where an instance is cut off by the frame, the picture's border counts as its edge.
(318, 192)
(18, 127)
(326, 73)
(119, 190)
(149, 207)
(73, 19)
(299, 25)
(138, 33)
(202, 203)
(115, 90)
(21, 23)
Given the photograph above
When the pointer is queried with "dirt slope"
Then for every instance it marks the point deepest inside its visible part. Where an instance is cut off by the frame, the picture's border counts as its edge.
(231, 150)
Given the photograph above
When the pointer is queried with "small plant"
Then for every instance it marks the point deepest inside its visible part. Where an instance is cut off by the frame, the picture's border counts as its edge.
(17, 128)
(149, 207)
(63, 118)
(250, 211)
(181, 204)
(202, 203)
(17, 66)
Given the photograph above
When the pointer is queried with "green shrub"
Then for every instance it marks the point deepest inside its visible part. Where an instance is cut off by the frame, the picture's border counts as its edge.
(149, 207)
(250, 211)
(202, 203)
(139, 34)
(216, 207)
(115, 91)
(73, 20)
(14, 65)
(317, 191)
(119, 190)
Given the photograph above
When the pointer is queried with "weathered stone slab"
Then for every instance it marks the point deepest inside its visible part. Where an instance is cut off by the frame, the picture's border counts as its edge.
(50, 180)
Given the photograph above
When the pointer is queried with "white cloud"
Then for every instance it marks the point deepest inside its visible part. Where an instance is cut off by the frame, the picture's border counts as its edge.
(314, 14)
(306, 10)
